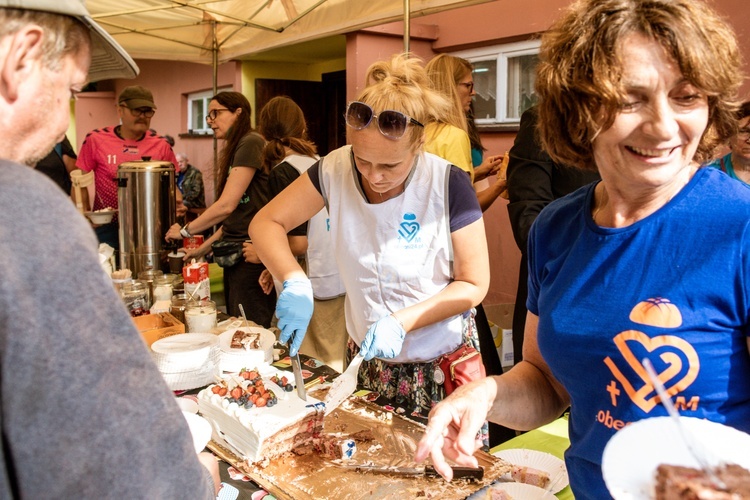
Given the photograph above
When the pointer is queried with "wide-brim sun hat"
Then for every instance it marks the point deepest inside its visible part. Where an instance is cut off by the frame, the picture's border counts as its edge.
(108, 59)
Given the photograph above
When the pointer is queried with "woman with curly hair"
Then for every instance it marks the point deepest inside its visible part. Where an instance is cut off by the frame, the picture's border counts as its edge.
(645, 266)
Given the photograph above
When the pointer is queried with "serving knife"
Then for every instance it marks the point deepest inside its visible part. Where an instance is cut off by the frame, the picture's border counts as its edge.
(344, 385)
(459, 472)
(298, 380)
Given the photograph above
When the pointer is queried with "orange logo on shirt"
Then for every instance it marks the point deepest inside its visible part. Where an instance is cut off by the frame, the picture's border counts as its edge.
(672, 351)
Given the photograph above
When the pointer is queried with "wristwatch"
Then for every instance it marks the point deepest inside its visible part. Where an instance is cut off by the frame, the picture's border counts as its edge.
(184, 231)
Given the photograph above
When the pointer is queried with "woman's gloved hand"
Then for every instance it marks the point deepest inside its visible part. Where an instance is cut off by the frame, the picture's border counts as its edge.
(294, 309)
(384, 339)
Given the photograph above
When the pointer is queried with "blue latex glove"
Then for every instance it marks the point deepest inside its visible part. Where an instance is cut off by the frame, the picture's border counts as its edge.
(384, 339)
(294, 309)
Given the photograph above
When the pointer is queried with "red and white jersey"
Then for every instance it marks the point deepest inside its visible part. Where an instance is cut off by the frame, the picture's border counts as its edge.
(103, 151)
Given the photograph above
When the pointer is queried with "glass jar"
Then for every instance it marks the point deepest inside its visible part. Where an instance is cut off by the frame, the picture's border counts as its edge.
(200, 316)
(147, 276)
(135, 297)
(162, 287)
(177, 309)
(178, 285)
(119, 283)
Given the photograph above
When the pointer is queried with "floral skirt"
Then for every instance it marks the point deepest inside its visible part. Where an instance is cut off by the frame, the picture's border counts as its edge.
(410, 389)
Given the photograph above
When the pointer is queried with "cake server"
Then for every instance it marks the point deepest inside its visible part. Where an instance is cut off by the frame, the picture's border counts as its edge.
(469, 473)
(298, 380)
(693, 445)
(343, 386)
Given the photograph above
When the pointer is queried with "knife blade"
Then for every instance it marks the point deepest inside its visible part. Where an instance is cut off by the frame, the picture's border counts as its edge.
(298, 380)
(459, 472)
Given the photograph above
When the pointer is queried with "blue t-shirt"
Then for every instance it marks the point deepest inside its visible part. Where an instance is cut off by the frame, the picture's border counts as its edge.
(673, 287)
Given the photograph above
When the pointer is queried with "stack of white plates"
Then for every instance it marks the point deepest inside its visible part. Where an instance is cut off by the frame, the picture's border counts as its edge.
(233, 360)
(187, 360)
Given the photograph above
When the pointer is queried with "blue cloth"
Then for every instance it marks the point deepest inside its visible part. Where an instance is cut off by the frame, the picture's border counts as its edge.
(673, 287)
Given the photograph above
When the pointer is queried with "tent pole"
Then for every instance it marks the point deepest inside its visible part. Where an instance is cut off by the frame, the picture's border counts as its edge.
(407, 24)
(215, 64)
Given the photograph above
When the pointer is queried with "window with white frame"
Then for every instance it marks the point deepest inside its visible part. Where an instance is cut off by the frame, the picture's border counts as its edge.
(504, 77)
(197, 103)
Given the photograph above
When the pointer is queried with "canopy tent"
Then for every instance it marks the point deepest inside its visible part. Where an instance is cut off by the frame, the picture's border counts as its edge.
(214, 31)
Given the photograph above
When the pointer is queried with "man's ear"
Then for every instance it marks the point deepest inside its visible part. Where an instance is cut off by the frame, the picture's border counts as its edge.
(23, 53)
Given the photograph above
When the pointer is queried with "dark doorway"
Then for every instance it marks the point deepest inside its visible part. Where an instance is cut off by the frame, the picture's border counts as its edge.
(322, 102)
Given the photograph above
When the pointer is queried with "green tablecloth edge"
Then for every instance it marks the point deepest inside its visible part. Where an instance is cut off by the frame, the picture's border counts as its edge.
(551, 438)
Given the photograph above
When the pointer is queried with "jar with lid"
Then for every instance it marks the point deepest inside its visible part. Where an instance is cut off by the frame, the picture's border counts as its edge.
(200, 316)
(177, 309)
(162, 287)
(178, 283)
(148, 276)
(135, 297)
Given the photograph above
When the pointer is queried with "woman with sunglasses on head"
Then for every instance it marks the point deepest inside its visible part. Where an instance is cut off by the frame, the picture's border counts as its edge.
(646, 265)
(448, 135)
(243, 184)
(408, 239)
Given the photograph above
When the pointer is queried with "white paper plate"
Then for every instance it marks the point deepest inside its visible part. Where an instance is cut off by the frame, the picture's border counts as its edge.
(267, 339)
(524, 491)
(188, 405)
(550, 464)
(185, 352)
(632, 455)
(200, 429)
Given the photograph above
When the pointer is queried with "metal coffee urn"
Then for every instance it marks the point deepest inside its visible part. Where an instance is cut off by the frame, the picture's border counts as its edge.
(146, 202)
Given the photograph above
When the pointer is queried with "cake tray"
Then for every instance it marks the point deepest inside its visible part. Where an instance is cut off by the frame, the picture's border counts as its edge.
(312, 476)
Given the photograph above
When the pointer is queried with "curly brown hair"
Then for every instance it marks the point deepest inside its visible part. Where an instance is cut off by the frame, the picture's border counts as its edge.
(579, 74)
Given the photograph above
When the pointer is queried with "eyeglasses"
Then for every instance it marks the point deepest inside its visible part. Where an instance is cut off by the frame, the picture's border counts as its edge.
(147, 112)
(211, 116)
(391, 124)
(468, 85)
(744, 133)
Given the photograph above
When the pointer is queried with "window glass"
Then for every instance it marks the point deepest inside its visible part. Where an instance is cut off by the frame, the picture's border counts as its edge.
(197, 104)
(504, 77)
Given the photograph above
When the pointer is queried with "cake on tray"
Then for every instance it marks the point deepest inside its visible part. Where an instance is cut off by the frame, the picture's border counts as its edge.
(675, 482)
(258, 419)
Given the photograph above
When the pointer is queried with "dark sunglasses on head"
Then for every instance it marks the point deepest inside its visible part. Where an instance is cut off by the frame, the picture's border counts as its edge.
(391, 124)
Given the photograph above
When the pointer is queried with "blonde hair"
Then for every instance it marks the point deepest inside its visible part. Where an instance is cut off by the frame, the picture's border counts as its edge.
(445, 72)
(401, 84)
(579, 74)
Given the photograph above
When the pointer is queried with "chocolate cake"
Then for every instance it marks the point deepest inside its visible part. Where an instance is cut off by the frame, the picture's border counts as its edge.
(675, 482)
(245, 340)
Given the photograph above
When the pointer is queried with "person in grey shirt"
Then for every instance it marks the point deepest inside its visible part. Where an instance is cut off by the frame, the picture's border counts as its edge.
(83, 409)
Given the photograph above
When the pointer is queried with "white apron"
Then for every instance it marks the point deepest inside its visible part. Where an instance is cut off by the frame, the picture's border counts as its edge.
(393, 254)
(321, 266)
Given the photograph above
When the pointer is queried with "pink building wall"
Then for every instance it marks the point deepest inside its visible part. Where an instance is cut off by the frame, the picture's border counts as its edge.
(170, 82)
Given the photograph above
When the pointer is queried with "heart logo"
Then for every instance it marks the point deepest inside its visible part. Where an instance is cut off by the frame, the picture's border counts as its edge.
(669, 350)
(408, 230)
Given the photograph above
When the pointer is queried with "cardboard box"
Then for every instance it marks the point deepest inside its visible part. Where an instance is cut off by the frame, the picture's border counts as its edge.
(157, 326)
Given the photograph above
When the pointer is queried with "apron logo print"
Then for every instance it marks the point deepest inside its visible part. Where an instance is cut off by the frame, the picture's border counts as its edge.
(409, 228)
(668, 350)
